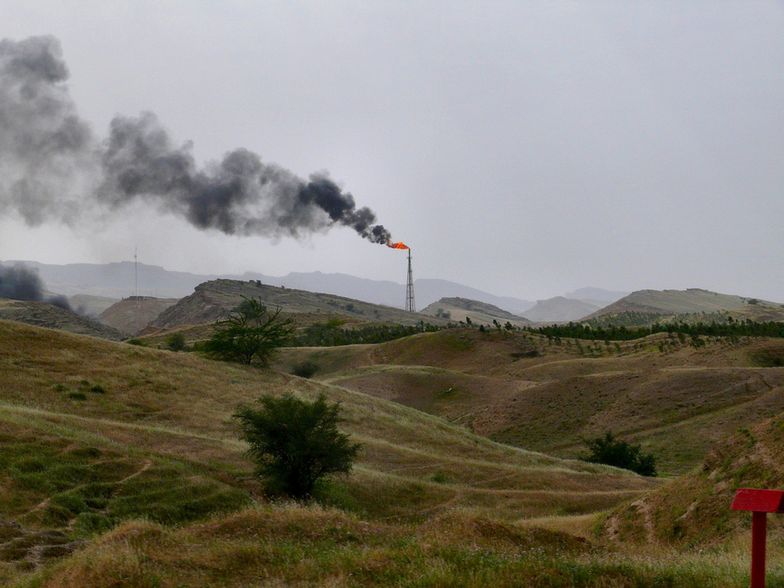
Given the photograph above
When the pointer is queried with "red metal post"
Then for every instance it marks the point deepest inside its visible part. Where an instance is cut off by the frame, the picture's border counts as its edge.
(759, 527)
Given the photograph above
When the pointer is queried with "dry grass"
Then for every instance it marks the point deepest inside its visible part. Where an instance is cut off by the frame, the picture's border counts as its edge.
(536, 394)
(295, 546)
(153, 413)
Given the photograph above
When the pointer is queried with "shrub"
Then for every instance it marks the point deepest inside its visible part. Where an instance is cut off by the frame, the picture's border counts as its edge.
(296, 443)
(305, 369)
(175, 342)
(616, 452)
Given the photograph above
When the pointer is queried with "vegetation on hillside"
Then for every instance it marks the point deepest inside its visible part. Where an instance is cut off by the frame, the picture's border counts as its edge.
(250, 333)
(731, 328)
(295, 443)
(610, 450)
(332, 333)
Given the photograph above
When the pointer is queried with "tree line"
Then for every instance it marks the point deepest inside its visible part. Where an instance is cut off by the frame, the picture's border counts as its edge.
(731, 328)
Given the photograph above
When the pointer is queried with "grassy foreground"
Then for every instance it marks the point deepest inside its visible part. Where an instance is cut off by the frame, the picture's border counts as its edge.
(290, 545)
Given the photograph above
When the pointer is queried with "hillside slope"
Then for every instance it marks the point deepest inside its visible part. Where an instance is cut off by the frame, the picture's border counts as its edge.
(675, 399)
(96, 432)
(481, 313)
(46, 315)
(672, 303)
(694, 509)
(131, 315)
(213, 300)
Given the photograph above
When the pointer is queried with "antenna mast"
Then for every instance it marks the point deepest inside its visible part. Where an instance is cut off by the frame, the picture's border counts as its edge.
(136, 272)
(410, 305)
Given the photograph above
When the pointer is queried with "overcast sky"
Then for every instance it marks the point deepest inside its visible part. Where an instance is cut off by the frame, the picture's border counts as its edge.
(526, 148)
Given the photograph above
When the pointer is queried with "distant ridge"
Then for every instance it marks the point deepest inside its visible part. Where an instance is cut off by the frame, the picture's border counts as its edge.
(693, 301)
(115, 280)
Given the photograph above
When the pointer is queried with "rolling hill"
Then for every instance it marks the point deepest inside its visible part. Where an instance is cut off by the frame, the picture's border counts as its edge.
(126, 432)
(213, 300)
(131, 315)
(481, 313)
(650, 305)
(675, 399)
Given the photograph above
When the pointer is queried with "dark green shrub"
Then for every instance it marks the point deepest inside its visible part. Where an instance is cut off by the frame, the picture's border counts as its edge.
(615, 452)
(305, 369)
(175, 342)
(296, 443)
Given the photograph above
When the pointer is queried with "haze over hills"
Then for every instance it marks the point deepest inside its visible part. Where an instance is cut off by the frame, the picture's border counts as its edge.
(43, 314)
(116, 280)
(132, 314)
(559, 309)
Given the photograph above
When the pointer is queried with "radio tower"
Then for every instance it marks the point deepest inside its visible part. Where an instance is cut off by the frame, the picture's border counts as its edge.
(410, 306)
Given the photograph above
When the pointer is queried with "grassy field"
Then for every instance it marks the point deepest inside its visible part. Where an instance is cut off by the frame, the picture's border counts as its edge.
(95, 433)
(674, 399)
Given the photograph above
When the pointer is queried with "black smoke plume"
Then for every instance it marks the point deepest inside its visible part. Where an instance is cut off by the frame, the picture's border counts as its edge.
(49, 160)
(20, 283)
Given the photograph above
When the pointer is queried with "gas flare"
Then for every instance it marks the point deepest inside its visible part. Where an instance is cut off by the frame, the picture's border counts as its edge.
(398, 245)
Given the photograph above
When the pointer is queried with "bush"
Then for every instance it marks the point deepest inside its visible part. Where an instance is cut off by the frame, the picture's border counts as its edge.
(305, 369)
(296, 443)
(249, 333)
(615, 452)
(175, 342)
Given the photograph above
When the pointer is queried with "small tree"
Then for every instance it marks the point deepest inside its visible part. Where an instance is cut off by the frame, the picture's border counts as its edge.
(295, 443)
(249, 333)
(616, 452)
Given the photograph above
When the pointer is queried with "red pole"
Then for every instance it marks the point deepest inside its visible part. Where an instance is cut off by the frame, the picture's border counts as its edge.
(759, 525)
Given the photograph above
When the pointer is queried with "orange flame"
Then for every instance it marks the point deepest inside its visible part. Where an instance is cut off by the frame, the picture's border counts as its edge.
(398, 245)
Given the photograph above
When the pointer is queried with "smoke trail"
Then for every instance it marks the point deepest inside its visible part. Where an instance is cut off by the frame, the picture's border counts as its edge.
(20, 283)
(49, 158)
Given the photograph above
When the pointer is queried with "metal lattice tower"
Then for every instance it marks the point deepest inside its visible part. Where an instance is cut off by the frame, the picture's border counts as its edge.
(410, 305)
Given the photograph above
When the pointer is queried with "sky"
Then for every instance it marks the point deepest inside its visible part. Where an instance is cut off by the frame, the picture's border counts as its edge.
(525, 148)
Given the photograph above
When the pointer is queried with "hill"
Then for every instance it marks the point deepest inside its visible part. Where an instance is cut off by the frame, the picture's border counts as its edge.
(42, 314)
(457, 309)
(213, 300)
(559, 309)
(127, 432)
(134, 313)
(519, 388)
(650, 305)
